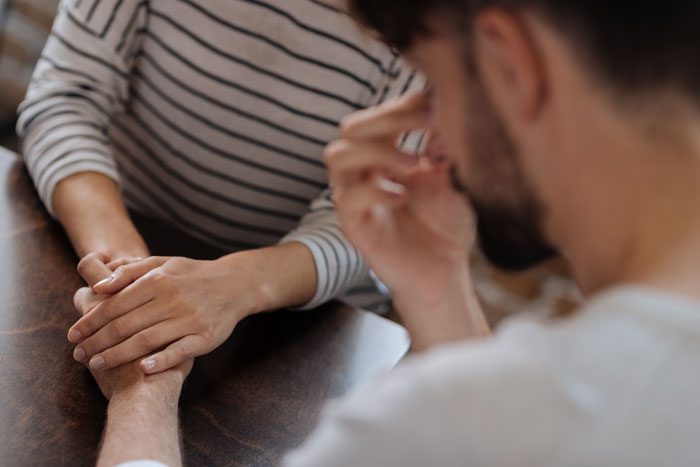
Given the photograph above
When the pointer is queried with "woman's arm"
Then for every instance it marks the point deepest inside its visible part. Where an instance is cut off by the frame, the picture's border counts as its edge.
(90, 207)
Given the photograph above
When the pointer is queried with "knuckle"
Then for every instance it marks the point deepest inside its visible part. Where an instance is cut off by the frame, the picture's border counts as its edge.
(120, 329)
(177, 265)
(207, 333)
(122, 270)
(112, 357)
(148, 339)
(348, 125)
(183, 350)
(84, 263)
(84, 327)
(333, 152)
(156, 277)
(88, 347)
(109, 310)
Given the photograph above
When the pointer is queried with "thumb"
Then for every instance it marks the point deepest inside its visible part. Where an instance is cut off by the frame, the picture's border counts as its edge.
(126, 275)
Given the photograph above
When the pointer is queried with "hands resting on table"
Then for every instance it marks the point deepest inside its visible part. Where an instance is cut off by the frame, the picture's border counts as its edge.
(401, 211)
(176, 307)
(122, 379)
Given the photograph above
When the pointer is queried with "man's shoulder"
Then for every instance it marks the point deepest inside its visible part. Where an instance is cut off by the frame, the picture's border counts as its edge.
(541, 389)
(464, 402)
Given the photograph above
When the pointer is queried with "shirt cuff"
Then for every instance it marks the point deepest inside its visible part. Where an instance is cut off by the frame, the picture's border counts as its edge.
(323, 268)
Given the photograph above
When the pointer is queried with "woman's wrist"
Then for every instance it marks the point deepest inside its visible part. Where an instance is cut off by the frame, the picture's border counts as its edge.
(271, 278)
(90, 208)
(118, 241)
(239, 284)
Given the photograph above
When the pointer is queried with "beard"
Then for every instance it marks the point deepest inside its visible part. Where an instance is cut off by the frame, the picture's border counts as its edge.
(509, 218)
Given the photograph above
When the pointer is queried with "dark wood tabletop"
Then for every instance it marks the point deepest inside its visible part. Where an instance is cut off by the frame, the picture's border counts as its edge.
(248, 403)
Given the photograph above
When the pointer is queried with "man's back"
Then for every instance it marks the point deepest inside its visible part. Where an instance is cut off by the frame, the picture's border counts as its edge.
(615, 385)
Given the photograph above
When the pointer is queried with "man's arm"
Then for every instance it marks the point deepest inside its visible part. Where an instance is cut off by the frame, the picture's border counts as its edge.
(142, 423)
(142, 415)
(457, 315)
(90, 207)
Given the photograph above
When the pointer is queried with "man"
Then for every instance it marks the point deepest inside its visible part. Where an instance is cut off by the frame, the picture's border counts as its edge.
(571, 126)
(212, 116)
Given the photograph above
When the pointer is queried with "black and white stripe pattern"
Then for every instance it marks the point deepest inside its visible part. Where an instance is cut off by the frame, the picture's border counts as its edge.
(211, 114)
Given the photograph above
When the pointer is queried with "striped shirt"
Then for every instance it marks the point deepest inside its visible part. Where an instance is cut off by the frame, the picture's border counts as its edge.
(211, 115)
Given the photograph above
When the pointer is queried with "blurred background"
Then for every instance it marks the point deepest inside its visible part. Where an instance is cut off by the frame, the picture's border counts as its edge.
(24, 26)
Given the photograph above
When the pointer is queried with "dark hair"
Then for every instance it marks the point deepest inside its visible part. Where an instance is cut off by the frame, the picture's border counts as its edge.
(634, 44)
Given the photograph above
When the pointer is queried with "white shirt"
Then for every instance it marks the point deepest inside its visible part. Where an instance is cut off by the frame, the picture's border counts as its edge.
(617, 385)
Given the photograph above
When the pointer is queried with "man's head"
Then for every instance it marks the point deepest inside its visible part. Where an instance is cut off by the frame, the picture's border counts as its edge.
(541, 104)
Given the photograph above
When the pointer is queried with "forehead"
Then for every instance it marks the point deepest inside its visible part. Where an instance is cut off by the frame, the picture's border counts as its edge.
(438, 58)
(427, 51)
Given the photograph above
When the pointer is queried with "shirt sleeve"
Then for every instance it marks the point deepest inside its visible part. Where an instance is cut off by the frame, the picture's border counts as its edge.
(81, 81)
(400, 80)
(341, 270)
(339, 266)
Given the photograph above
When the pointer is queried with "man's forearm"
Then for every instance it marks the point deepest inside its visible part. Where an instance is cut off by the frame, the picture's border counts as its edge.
(457, 316)
(142, 424)
(91, 209)
(280, 276)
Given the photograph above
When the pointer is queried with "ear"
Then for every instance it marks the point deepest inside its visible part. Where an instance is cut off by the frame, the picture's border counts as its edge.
(510, 64)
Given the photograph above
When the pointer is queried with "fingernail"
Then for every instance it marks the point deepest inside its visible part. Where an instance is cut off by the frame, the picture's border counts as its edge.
(79, 354)
(149, 364)
(97, 362)
(74, 335)
(391, 187)
(106, 281)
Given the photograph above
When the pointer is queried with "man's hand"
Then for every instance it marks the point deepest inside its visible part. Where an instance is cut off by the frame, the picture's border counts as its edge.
(176, 307)
(143, 408)
(130, 378)
(400, 210)
(403, 214)
(93, 268)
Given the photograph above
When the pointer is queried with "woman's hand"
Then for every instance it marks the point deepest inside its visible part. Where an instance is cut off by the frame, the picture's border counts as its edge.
(179, 308)
(127, 377)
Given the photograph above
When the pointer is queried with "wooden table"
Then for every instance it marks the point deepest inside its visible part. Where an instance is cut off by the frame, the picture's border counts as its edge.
(248, 403)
